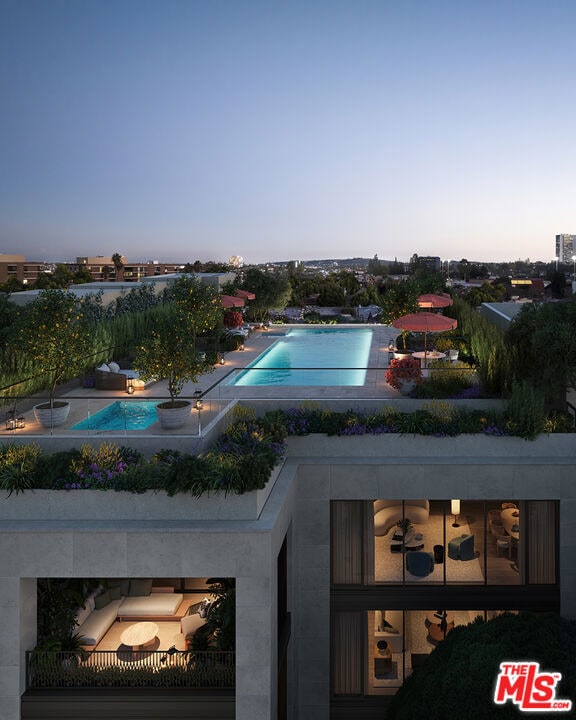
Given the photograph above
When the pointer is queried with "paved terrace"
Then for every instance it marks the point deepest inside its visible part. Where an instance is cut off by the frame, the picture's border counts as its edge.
(217, 394)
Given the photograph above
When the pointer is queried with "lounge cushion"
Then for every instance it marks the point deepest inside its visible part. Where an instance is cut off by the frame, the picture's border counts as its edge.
(96, 625)
(123, 584)
(102, 600)
(154, 604)
(103, 368)
(140, 586)
(114, 367)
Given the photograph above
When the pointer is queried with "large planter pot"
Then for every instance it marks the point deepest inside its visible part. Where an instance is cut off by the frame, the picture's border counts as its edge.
(173, 415)
(406, 386)
(401, 354)
(51, 416)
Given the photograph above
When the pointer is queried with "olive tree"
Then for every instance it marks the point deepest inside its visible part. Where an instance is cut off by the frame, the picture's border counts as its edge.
(170, 352)
(53, 334)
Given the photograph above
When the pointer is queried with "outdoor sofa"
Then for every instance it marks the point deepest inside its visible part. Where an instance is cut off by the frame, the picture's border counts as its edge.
(122, 599)
(110, 376)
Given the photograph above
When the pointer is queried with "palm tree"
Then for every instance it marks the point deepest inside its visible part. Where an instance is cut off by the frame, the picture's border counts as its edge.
(118, 265)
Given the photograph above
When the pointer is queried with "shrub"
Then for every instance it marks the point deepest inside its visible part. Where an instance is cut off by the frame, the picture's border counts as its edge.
(17, 463)
(98, 468)
(446, 379)
(525, 412)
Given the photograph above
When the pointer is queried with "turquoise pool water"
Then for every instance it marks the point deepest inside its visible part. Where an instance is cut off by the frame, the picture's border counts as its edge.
(121, 415)
(288, 361)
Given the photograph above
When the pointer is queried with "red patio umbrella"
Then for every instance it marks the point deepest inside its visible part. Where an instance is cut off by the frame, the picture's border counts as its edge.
(229, 301)
(425, 322)
(430, 300)
(246, 294)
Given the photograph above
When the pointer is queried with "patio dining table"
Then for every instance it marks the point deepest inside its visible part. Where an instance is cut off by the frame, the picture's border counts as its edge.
(426, 356)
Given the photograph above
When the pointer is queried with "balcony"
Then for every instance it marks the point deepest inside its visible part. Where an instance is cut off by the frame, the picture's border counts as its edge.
(131, 669)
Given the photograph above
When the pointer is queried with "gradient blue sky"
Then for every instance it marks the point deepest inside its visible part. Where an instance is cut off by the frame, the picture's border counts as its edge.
(184, 130)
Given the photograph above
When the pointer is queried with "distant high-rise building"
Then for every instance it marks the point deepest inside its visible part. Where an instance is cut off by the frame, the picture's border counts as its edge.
(565, 247)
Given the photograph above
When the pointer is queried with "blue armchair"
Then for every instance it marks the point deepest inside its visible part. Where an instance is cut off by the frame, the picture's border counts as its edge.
(461, 547)
(419, 563)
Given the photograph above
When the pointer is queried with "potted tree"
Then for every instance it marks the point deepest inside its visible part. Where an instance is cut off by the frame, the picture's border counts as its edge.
(170, 353)
(403, 374)
(54, 335)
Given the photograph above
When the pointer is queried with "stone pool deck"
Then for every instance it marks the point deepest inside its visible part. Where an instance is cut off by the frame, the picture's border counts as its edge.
(217, 395)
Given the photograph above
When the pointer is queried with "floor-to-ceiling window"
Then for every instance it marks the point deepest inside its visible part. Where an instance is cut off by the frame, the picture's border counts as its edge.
(406, 572)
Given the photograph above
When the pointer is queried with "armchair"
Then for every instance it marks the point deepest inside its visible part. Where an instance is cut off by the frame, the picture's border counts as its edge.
(461, 547)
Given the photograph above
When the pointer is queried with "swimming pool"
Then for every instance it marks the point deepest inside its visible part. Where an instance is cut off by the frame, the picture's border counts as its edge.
(286, 362)
(121, 415)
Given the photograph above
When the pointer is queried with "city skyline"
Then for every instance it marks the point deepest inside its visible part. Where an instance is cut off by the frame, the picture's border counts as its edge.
(188, 130)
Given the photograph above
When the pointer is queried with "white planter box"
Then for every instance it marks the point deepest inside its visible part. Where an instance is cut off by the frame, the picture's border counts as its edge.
(110, 505)
(423, 446)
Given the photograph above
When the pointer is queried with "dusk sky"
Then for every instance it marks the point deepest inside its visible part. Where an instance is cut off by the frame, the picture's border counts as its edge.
(288, 130)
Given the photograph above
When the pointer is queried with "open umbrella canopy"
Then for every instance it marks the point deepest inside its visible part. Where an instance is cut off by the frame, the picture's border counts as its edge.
(229, 301)
(246, 294)
(430, 300)
(425, 322)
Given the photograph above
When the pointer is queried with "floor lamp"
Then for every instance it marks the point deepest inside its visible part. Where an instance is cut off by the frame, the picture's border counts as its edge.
(455, 510)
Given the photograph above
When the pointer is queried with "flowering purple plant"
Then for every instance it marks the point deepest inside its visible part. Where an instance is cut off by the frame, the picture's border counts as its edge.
(98, 468)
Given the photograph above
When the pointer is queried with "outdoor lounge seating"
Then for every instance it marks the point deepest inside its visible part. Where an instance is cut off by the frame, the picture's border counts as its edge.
(124, 599)
(110, 381)
(110, 376)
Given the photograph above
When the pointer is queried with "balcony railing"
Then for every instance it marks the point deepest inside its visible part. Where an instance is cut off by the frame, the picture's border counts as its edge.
(130, 669)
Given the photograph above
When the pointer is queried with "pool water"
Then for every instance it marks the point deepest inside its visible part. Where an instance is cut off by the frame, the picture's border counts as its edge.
(288, 360)
(121, 415)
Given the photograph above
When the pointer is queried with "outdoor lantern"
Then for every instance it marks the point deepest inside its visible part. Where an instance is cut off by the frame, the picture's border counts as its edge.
(10, 420)
(221, 360)
(199, 404)
(20, 422)
(241, 347)
(455, 510)
(130, 386)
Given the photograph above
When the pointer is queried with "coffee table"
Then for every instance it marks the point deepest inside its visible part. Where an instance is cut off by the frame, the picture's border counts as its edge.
(414, 541)
(139, 634)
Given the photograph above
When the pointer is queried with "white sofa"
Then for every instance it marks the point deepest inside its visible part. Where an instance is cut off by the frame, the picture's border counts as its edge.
(389, 626)
(92, 624)
(388, 512)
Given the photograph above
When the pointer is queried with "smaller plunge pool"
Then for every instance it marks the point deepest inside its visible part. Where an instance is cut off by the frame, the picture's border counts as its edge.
(121, 415)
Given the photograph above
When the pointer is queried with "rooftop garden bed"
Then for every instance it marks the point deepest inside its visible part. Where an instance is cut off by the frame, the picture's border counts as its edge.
(244, 456)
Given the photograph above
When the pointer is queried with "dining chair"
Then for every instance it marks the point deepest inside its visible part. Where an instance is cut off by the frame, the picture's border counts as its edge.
(503, 542)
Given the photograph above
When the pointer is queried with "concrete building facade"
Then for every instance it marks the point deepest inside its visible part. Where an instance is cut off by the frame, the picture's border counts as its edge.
(88, 534)
(565, 247)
